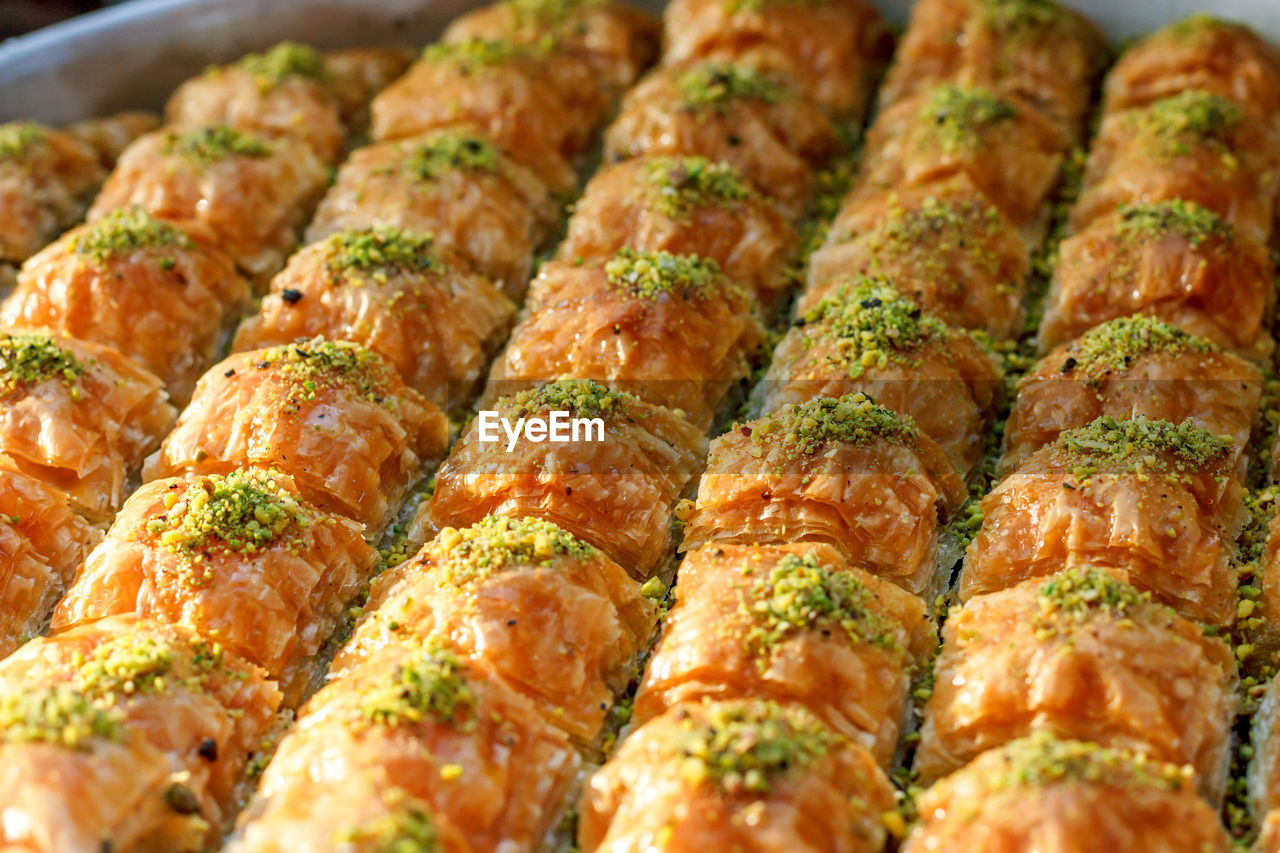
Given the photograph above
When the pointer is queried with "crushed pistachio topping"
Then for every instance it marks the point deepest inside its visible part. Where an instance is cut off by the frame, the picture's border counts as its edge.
(650, 275)
(537, 14)
(743, 749)
(453, 152)
(952, 222)
(59, 715)
(477, 52)
(128, 665)
(679, 184)
(1042, 760)
(497, 543)
(714, 86)
(1017, 15)
(127, 230)
(242, 512)
(1115, 344)
(284, 60)
(212, 144)
(582, 397)
(28, 359)
(1176, 123)
(800, 594)
(407, 827)
(1079, 594)
(806, 428)
(1136, 439)
(310, 364)
(380, 250)
(433, 687)
(956, 117)
(17, 138)
(871, 324)
(1200, 25)
(1193, 222)
(736, 7)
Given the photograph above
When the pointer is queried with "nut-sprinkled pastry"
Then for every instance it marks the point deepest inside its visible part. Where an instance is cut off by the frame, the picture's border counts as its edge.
(847, 472)
(357, 74)
(240, 559)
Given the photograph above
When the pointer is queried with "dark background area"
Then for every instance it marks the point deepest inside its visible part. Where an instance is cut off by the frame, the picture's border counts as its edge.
(23, 16)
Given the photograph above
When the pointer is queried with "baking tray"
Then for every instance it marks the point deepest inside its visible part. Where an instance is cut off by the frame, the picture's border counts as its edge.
(132, 56)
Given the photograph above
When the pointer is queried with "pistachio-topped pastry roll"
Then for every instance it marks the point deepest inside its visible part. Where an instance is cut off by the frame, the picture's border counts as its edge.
(161, 293)
(614, 486)
(617, 41)
(867, 336)
(252, 192)
(672, 329)
(1065, 796)
(1202, 53)
(42, 544)
(792, 623)
(413, 302)
(128, 735)
(357, 74)
(549, 615)
(241, 559)
(943, 244)
(1133, 366)
(847, 472)
(282, 92)
(418, 749)
(331, 414)
(1009, 151)
(1041, 51)
(454, 185)
(47, 179)
(1194, 147)
(542, 108)
(1173, 260)
(831, 50)
(753, 120)
(110, 135)
(1156, 501)
(78, 416)
(1081, 654)
(686, 205)
(736, 775)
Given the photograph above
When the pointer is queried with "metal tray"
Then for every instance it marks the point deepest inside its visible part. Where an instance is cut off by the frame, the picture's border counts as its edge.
(132, 56)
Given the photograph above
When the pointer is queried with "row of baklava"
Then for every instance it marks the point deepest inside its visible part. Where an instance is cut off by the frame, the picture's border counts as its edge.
(1083, 690)
(290, 456)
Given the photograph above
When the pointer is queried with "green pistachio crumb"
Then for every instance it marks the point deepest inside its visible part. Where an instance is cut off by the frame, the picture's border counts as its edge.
(18, 138)
(211, 144)
(1145, 444)
(433, 687)
(477, 52)
(497, 543)
(1079, 594)
(1193, 222)
(714, 86)
(806, 428)
(582, 397)
(407, 827)
(1177, 123)
(957, 117)
(1115, 344)
(284, 60)
(28, 359)
(127, 230)
(1010, 16)
(650, 275)
(382, 249)
(1042, 760)
(680, 184)
(60, 715)
(744, 749)
(452, 152)
(309, 365)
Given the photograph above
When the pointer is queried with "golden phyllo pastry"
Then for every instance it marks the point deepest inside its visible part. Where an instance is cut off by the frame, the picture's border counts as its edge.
(110, 135)
(43, 542)
(541, 107)
(752, 120)
(943, 244)
(128, 735)
(1154, 500)
(1133, 366)
(1041, 51)
(847, 472)
(617, 41)
(549, 615)
(1083, 655)
(413, 302)
(47, 179)
(792, 623)
(161, 293)
(78, 416)
(356, 74)
(736, 775)
(1264, 769)
(671, 329)
(1066, 796)
(867, 336)
(614, 486)
(251, 192)
(331, 414)
(830, 50)
(282, 92)
(1173, 260)
(687, 206)
(454, 185)
(240, 559)
(418, 749)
